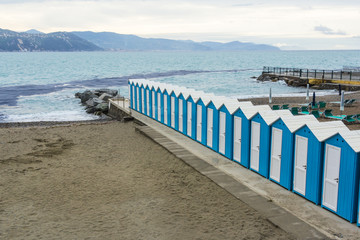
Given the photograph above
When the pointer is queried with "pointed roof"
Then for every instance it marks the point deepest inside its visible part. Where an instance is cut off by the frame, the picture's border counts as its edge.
(293, 123)
(352, 138)
(325, 130)
(251, 111)
(270, 116)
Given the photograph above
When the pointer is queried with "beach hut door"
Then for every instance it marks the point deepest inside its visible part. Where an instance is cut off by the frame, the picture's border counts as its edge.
(142, 101)
(331, 176)
(173, 112)
(276, 145)
(165, 110)
(222, 132)
(255, 145)
(189, 114)
(133, 97)
(237, 138)
(198, 122)
(210, 117)
(301, 149)
(153, 104)
(181, 115)
(159, 107)
(147, 103)
(137, 99)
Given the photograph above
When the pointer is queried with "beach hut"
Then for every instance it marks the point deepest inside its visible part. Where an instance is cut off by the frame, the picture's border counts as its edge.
(341, 174)
(165, 106)
(132, 93)
(201, 119)
(182, 112)
(153, 91)
(142, 97)
(261, 139)
(148, 99)
(242, 126)
(174, 107)
(212, 128)
(226, 131)
(137, 96)
(282, 148)
(308, 157)
(191, 114)
(159, 104)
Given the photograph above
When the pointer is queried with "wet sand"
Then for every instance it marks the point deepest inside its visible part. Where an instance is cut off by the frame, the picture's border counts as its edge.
(103, 180)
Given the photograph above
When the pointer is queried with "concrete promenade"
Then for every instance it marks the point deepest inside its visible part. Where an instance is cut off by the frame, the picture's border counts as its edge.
(283, 208)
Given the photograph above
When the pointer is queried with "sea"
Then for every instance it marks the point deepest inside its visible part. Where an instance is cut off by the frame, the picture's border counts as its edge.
(40, 86)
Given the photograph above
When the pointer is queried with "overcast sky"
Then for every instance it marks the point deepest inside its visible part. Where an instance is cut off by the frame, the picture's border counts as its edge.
(302, 24)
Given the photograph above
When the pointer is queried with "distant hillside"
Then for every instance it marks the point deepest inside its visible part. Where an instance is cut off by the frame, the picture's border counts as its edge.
(114, 41)
(11, 41)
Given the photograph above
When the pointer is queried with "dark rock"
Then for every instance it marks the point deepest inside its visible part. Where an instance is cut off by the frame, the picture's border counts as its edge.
(103, 107)
(111, 92)
(92, 102)
(87, 95)
(90, 110)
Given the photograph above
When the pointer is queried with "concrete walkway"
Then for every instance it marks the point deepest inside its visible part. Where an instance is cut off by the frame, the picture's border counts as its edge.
(283, 208)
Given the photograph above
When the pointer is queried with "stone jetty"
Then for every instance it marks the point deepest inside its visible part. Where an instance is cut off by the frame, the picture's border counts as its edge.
(96, 101)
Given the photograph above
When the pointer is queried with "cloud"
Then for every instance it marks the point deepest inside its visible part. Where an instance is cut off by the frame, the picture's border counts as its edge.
(328, 31)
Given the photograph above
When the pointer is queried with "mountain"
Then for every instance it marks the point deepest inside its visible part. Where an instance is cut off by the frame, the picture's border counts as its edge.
(33, 31)
(238, 46)
(114, 41)
(11, 41)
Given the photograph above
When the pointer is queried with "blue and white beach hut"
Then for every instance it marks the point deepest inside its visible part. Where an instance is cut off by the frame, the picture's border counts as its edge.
(261, 139)
(242, 132)
(142, 85)
(166, 106)
(174, 106)
(201, 118)
(132, 93)
(341, 174)
(191, 112)
(282, 148)
(226, 131)
(309, 156)
(182, 112)
(153, 90)
(212, 122)
(148, 99)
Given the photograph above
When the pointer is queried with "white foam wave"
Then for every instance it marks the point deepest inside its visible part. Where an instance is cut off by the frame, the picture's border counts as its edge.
(56, 116)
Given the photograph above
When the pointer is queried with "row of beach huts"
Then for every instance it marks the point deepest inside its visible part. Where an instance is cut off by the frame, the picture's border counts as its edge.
(316, 160)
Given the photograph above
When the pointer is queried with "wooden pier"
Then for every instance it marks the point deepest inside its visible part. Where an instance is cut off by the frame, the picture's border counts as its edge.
(349, 79)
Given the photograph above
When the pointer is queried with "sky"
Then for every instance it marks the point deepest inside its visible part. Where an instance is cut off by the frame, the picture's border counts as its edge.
(288, 24)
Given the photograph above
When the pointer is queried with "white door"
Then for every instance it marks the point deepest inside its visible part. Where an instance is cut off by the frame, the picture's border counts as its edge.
(137, 99)
(276, 147)
(181, 115)
(142, 101)
(133, 97)
(189, 112)
(153, 105)
(301, 150)
(210, 125)
(165, 109)
(237, 138)
(331, 176)
(148, 103)
(173, 112)
(255, 145)
(198, 122)
(222, 132)
(159, 107)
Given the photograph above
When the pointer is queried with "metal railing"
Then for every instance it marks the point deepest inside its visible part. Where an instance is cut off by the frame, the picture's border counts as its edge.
(314, 73)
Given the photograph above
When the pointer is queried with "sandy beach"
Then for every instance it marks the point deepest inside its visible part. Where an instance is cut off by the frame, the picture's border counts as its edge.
(106, 181)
